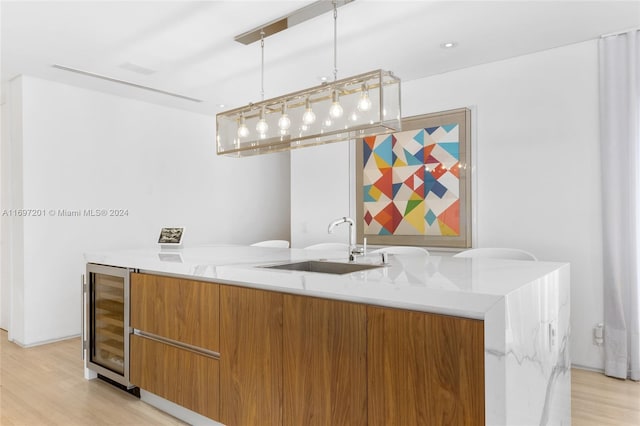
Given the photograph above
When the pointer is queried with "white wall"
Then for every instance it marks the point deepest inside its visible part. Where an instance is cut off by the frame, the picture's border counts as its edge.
(88, 150)
(538, 170)
(320, 193)
(4, 296)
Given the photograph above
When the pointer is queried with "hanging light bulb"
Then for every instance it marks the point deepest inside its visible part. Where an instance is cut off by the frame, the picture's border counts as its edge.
(364, 104)
(309, 117)
(335, 110)
(284, 123)
(243, 130)
(262, 127)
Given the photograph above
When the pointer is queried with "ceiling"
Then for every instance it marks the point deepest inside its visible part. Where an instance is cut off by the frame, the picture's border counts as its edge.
(188, 47)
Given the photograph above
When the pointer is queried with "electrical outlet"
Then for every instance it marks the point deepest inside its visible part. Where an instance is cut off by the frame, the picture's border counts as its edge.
(598, 334)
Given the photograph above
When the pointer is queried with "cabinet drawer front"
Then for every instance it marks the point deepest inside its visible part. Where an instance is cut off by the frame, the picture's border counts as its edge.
(182, 310)
(179, 375)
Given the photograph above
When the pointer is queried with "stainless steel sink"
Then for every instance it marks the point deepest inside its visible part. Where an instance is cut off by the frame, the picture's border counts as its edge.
(323, 267)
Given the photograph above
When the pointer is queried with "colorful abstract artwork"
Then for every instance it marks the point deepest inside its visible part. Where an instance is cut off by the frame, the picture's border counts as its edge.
(413, 183)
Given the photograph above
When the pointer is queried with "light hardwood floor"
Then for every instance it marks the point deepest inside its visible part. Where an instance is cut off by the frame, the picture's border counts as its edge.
(44, 385)
(598, 400)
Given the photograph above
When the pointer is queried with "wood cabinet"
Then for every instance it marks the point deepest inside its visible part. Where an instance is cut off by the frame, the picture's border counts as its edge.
(175, 355)
(289, 360)
(325, 375)
(183, 310)
(424, 368)
(188, 378)
(250, 357)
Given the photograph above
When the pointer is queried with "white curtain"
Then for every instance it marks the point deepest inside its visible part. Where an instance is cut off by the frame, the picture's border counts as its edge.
(620, 156)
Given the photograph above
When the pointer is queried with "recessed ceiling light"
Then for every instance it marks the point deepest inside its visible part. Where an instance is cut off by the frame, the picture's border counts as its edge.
(221, 105)
(449, 45)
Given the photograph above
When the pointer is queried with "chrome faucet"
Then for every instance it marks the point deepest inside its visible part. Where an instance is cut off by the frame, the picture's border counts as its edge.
(353, 248)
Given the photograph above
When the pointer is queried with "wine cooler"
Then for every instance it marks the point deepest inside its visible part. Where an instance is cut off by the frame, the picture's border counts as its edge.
(106, 316)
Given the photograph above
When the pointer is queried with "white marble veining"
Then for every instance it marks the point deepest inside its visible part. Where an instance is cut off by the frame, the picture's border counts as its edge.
(527, 364)
(524, 306)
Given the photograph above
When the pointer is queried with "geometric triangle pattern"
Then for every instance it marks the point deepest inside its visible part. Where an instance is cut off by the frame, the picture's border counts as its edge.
(411, 182)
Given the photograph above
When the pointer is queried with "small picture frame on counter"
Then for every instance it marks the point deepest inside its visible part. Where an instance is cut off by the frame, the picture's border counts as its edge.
(171, 237)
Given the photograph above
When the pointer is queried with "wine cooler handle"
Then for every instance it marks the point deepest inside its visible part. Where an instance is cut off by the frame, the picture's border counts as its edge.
(82, 313)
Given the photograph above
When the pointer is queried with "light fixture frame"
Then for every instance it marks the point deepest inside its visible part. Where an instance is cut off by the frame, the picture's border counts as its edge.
(384, 119)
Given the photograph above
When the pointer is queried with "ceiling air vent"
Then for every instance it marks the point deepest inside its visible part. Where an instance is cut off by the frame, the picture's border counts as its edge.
(126, 83)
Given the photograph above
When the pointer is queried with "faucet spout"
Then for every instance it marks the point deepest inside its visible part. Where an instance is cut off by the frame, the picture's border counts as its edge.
(335, 223)
(352, 233)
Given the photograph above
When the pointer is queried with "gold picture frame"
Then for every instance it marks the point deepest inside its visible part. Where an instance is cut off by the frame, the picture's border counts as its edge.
(413, 187)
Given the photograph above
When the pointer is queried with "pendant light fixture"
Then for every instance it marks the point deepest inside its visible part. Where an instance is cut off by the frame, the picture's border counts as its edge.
(355, 107)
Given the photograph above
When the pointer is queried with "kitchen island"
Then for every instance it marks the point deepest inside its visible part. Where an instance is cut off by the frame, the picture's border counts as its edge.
(398, 312)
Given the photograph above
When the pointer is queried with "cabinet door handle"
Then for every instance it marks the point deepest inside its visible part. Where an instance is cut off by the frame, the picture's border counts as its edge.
(177, 344)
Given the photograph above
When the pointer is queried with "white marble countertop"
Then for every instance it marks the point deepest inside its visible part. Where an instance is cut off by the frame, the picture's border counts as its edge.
(445, 285)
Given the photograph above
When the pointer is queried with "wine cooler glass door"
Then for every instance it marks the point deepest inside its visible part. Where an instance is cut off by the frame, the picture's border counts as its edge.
(109, 325)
